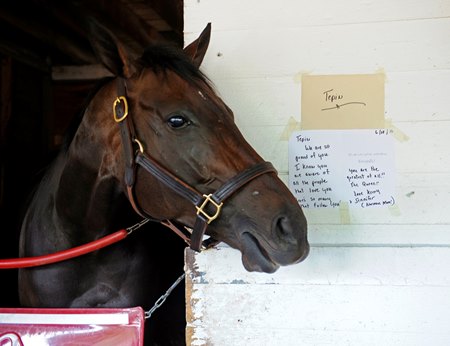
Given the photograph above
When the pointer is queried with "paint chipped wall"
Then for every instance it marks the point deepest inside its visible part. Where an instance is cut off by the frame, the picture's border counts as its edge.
(373, 276)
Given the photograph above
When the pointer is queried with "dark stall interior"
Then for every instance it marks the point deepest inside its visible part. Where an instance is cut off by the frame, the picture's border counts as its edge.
(47, 70)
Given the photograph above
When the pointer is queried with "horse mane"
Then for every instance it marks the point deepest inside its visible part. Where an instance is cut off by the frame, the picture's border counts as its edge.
(165, 57)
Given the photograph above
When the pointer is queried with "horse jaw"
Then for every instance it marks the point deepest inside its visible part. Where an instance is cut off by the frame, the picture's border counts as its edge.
(260, 254)
(254, 257)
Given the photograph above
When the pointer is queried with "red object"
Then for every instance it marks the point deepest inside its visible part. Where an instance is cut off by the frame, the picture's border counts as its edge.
(62, 255)
(71, 327)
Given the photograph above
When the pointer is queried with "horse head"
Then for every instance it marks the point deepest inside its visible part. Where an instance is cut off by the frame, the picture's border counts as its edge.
(180, 126)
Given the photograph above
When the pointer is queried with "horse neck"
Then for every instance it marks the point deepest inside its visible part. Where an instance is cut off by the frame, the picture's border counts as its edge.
(89, 191)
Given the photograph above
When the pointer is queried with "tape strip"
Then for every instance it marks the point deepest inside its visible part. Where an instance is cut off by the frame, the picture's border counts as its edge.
(394, 210)
(291, 126)
(344, 212)
(396, 132)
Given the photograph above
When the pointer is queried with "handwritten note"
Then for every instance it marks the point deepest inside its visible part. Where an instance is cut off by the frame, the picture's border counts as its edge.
(342, 101)
(330, 166)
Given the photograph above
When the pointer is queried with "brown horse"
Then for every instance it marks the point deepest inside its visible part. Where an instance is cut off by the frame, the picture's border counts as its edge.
(157, 141)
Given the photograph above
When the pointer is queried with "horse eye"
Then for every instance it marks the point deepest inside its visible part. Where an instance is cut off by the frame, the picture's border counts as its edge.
(178, 121)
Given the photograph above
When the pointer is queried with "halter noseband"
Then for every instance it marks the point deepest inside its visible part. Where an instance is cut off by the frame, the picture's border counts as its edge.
(208, 206)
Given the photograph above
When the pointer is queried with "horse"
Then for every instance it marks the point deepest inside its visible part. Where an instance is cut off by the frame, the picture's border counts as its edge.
(155, 141)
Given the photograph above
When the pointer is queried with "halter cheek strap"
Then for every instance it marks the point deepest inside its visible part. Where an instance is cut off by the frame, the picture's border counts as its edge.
(208, 207)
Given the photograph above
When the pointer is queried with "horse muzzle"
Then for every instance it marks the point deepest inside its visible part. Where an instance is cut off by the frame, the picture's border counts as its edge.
(283, 246)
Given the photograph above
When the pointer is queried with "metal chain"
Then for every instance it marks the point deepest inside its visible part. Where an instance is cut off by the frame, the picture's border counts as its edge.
(136, 226)
(163, 298)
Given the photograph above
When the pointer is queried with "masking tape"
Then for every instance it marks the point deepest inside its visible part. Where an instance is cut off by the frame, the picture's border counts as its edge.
(396, 132)
(381, 71)
(344, 212)
(291, 126)
(298, 76)
(394, 210)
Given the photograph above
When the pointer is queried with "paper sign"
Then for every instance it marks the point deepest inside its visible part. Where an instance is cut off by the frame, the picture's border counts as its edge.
(353, 166)
(343, 101)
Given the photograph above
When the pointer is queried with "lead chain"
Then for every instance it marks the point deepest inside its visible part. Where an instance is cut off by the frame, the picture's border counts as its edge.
(137, 226)
(163, 298)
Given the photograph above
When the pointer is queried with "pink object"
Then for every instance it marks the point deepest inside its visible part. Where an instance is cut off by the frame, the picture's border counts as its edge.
(70, 327)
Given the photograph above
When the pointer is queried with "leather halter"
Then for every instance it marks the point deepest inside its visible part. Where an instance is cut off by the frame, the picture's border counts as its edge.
(208, 206)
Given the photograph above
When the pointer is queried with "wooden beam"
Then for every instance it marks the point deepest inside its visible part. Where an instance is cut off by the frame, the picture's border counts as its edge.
(170, 11)
(123, 23)
(142, 9)
(53, 38)
(24, 55)
(85, 72)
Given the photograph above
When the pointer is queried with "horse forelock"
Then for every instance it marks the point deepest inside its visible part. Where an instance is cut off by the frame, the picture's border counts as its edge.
(162, 58)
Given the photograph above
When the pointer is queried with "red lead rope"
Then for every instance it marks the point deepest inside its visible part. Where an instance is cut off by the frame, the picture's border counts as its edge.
(25, 262)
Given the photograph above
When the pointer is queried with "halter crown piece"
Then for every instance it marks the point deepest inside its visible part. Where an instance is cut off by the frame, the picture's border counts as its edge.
(208, 207)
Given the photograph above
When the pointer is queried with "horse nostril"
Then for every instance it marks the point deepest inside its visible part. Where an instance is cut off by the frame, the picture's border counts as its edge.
(285, 231)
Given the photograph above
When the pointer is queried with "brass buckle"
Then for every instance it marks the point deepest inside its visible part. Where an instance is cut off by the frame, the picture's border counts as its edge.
(200, 209)
(125, 113)
(141, 147)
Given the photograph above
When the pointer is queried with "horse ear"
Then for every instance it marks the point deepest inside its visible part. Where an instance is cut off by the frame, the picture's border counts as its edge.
(110, 51)
(197, 49)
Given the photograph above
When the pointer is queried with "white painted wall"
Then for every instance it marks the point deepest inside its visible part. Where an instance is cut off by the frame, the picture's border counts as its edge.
(383, 276)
